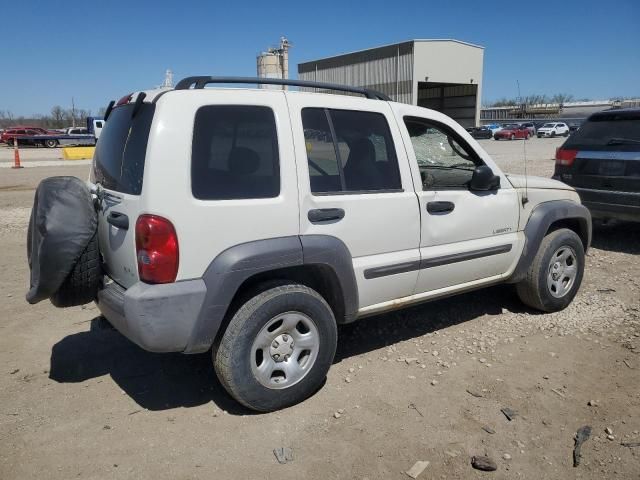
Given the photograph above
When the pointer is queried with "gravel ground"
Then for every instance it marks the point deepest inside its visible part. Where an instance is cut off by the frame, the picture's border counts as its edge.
(422, 384)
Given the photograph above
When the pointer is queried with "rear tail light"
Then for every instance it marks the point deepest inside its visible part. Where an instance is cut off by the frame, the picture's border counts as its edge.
(565, 157)
(156, 249)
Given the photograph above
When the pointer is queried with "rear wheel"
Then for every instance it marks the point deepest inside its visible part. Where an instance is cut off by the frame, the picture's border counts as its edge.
(81, 285)
(50, 143)
(277, 348)
(512, 137)
(566, 134)
(555, 275)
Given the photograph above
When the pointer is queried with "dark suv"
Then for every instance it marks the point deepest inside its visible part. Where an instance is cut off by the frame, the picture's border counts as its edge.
(601, 161)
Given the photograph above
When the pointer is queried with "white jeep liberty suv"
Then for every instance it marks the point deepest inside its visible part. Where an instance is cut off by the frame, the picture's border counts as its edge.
(252, 222)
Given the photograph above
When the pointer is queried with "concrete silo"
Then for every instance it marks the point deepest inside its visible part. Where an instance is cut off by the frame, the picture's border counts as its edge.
(274, 63)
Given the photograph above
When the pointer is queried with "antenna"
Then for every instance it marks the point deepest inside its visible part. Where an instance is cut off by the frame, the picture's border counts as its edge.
(525, 197)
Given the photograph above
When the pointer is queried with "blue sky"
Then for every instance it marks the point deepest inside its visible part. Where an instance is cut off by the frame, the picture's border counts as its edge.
(96, 51)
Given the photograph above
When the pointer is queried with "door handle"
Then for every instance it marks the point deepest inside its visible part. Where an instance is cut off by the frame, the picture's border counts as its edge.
(440, 207)
(119, 220)
(322, 215)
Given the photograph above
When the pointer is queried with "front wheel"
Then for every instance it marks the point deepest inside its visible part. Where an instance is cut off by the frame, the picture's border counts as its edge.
(512, 137)
(50, 143)
(555, 275)
(277, 348)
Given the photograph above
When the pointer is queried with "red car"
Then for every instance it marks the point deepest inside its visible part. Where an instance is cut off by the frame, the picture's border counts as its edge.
(511, 132)
(23, 131)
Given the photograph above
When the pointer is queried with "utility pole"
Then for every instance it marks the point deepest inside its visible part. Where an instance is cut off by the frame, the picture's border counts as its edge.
(73, 113)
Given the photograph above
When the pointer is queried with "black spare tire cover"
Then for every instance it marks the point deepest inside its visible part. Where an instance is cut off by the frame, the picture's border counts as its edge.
(62, 223)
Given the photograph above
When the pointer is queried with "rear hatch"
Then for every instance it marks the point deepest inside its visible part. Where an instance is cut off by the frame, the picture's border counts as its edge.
(118, 169)
(604, 154)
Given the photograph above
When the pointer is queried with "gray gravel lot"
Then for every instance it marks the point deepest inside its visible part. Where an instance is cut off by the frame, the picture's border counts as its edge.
(77, 400)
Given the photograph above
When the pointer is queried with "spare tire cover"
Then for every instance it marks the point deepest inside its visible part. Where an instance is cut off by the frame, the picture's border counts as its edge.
(62, 222)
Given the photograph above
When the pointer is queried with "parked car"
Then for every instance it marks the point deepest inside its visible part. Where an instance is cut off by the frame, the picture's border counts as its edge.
(9, 133)
(529, 126)
(76, 131)
(494, 127)
(29, 136)
(538, 125)
(602, 162)
(553, 129)
(252, 222)
(511, 132)
(480, 132)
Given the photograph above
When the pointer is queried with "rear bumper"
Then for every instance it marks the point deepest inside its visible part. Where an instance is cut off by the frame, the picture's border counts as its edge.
(611, 204)
(158, 318)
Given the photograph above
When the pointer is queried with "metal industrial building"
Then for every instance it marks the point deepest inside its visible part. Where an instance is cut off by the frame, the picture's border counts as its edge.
(445, 75)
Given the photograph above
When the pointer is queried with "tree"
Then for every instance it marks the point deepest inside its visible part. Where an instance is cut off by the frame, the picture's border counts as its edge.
(58, 114)
(561, 98)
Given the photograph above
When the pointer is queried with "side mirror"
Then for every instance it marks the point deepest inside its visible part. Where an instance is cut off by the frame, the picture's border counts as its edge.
(483, 179)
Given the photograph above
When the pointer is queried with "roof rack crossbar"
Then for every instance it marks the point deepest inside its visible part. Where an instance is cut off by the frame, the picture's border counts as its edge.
(200, 82)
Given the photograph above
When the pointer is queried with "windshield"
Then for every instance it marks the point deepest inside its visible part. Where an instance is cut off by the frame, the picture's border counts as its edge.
(608, 132)
(548, 125)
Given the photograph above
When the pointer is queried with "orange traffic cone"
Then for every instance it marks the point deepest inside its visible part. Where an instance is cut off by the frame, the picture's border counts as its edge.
(16, 154)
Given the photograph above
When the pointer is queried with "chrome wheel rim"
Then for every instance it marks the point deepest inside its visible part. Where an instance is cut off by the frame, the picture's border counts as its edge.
(285, 350)
(563, 270)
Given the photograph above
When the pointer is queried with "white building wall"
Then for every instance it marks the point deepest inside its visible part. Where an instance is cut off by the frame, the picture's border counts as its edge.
(449, 61)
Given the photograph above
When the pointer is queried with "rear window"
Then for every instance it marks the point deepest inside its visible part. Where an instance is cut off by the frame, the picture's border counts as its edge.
(610, 132)
(122, 148)
(234, 153)
(355, 153)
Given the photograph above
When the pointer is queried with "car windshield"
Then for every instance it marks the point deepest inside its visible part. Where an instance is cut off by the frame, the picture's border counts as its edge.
(510, 126)
(549, 125)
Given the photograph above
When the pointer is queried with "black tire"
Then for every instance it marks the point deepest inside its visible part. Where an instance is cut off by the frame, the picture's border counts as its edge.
(81, 285)
(553, 134)
(233, 356)
(50, 143)
(534, 290)
(566, 134)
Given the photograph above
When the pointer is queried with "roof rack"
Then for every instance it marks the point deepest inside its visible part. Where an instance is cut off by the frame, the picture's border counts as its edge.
(200, 82)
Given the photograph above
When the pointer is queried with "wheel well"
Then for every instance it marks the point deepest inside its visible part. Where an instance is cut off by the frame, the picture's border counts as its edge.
(321, 278)
(575, 225)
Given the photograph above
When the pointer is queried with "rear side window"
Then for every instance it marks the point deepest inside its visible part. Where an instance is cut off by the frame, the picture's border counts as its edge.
(235, 153)
(120, 153)
(610, 131)
(349, 151)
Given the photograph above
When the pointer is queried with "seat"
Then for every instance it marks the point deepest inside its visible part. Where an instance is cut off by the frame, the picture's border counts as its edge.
(361, 171)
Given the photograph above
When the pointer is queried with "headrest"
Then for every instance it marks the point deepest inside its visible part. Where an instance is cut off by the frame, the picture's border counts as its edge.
(362, 150)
